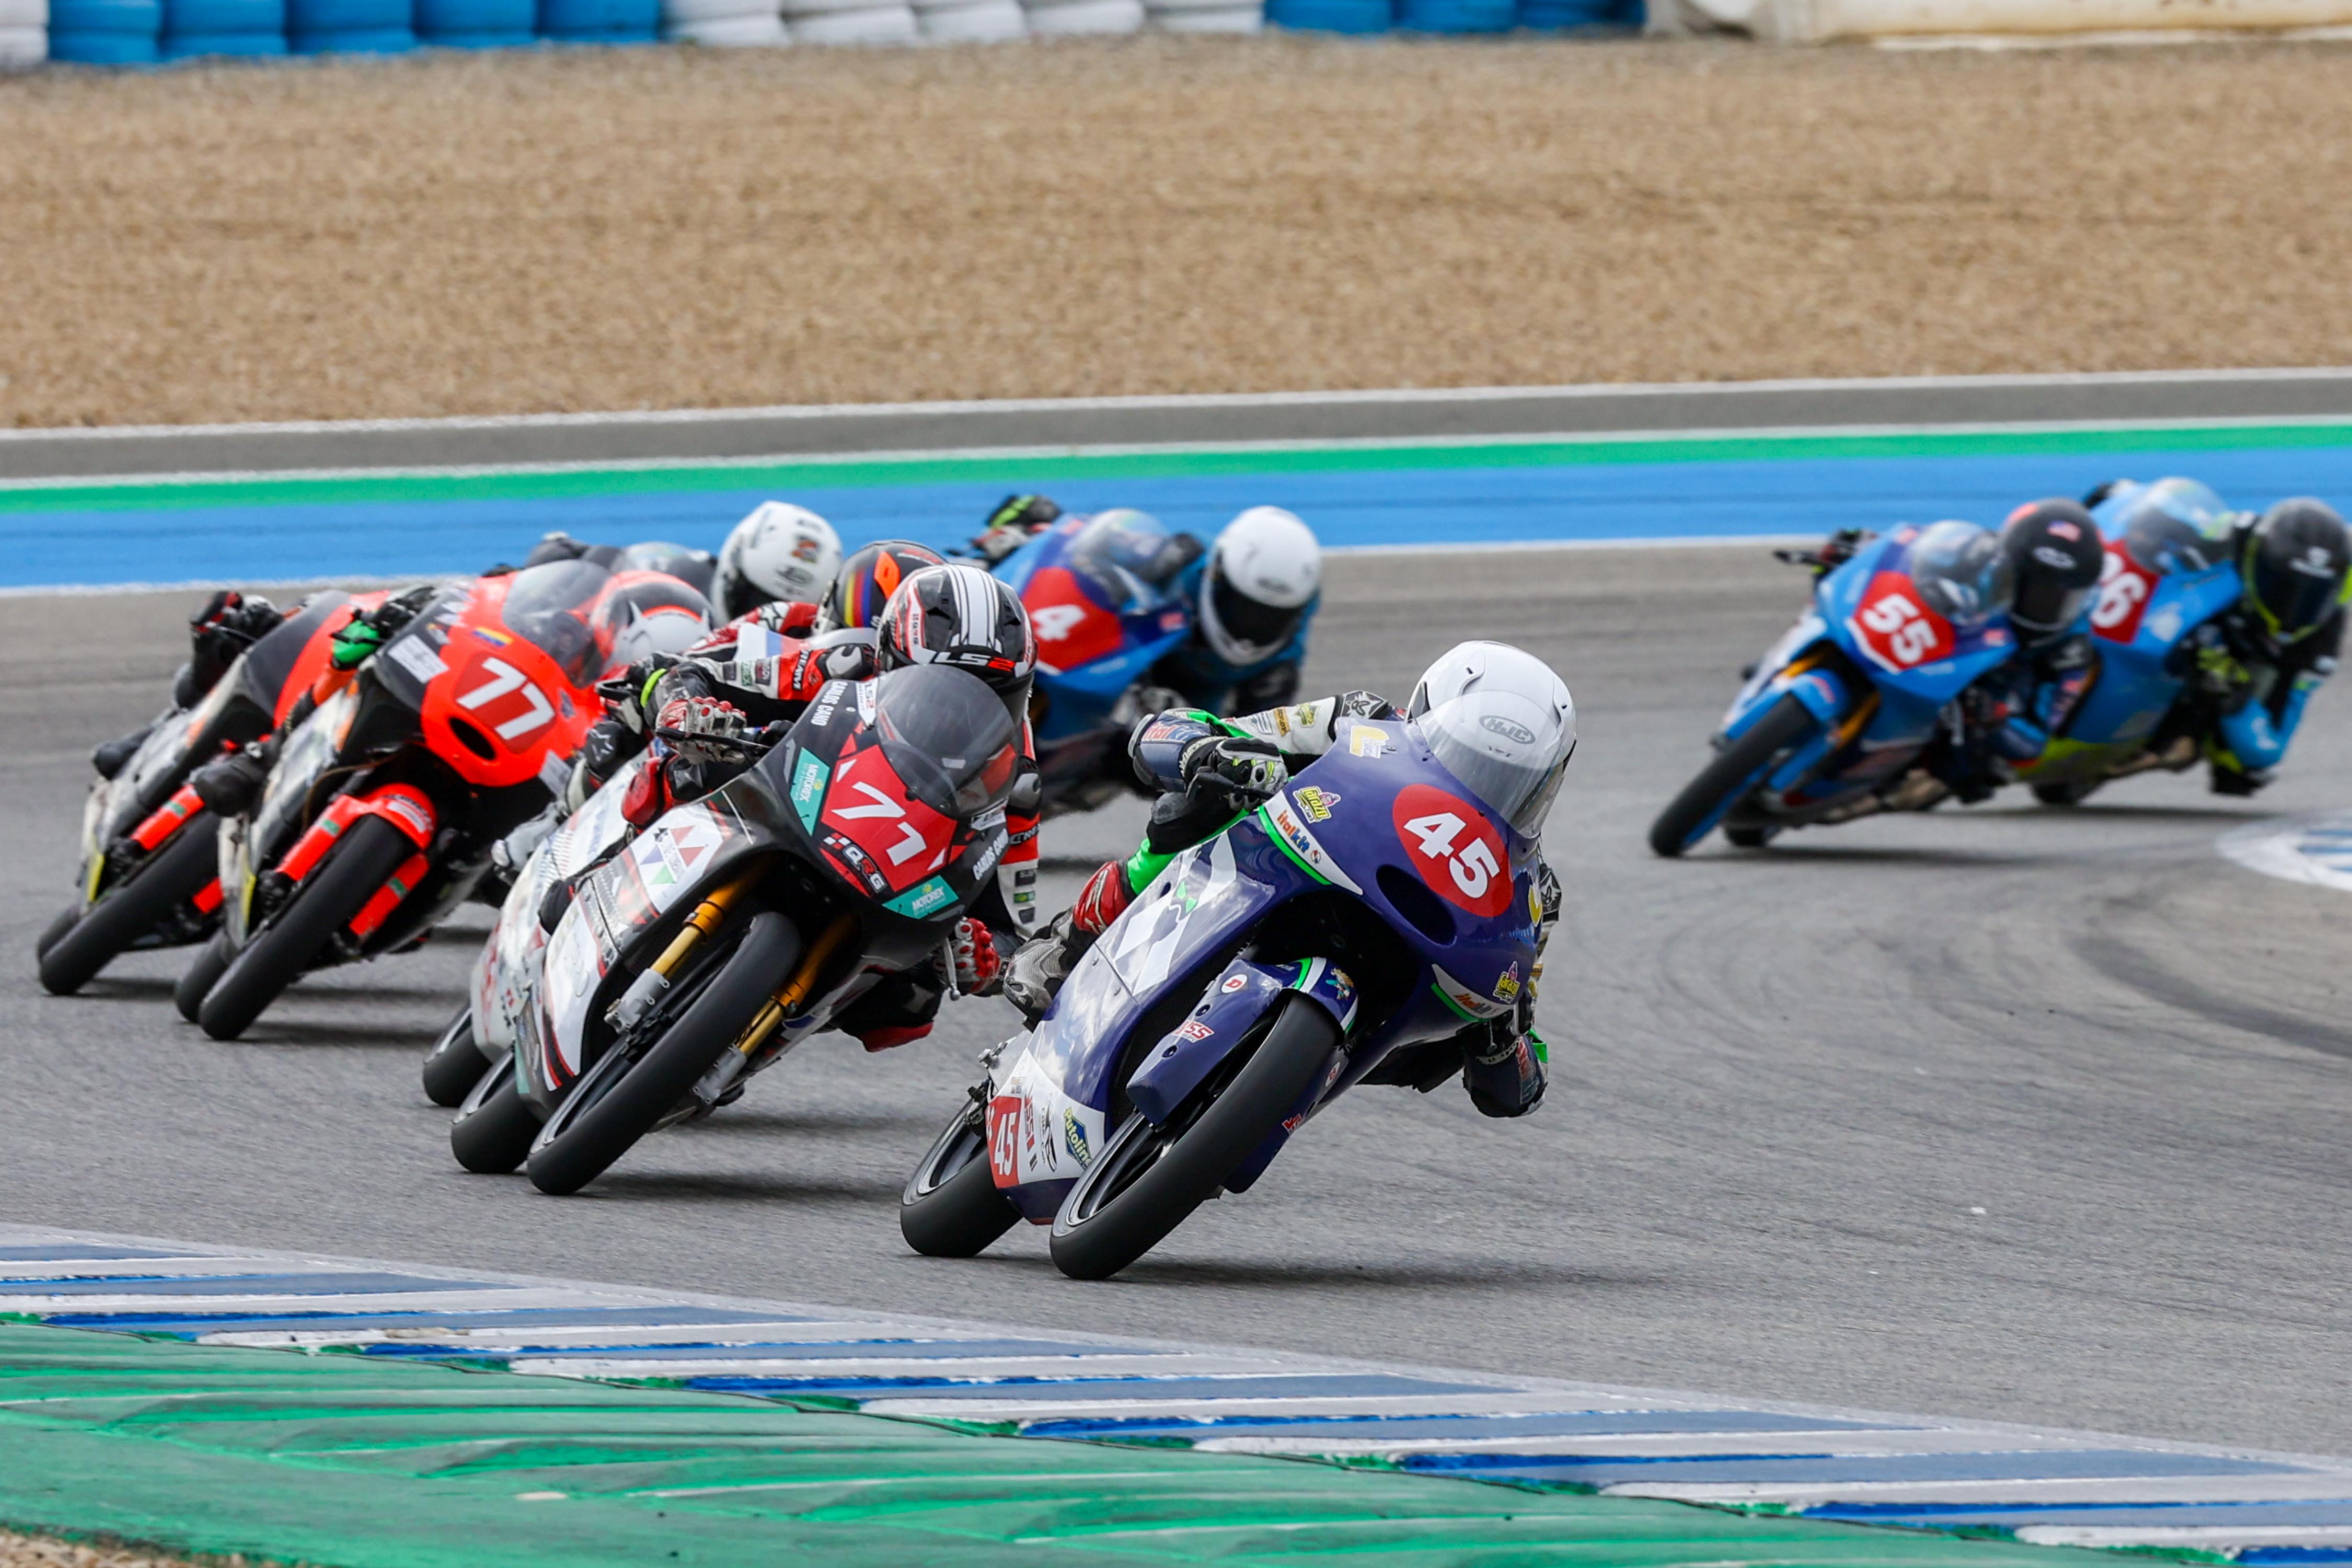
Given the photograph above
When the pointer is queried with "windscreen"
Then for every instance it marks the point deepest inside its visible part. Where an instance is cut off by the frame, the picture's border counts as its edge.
(1960, 573)
(549, 607)
(1128, 557)
(948, 736)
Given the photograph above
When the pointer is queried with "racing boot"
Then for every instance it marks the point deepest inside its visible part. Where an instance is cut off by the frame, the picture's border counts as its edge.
(109, 757)
(228, 786)
(1041, 964)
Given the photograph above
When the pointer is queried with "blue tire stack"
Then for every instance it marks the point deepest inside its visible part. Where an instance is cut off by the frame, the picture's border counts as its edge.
(477, 24)
(600, 21)
(106, 32)
(350, 27)
(1579, 16)
(1457, 15)
(1331, 16)
(241, 29)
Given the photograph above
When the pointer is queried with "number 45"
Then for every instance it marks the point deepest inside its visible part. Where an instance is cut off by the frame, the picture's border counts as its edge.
(1473, 868)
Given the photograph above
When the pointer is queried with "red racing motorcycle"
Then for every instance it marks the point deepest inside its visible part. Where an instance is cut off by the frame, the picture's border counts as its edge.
(149, 873)
(379, 814)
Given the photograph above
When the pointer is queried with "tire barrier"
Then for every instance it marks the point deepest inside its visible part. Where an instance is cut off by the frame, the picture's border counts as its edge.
(972, 21)
(1578, 16)
(350, 27)
(1075, 18)
(851, 21)
(724, 24)
(241, 29)
(1358, 17)
(1456, 15)
(477, 23)
(106, 32)
(600, 21)
(23, 33)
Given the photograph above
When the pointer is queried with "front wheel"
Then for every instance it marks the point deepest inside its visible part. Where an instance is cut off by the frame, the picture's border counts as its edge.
(455, 1063)
(2070, 792)
(55, 929)
(197, 983)
(1149, 1178)
(1692, 815)
(492, 1133)
(616, 1102)
(177, 873)
(951, 1207)
(371, 851)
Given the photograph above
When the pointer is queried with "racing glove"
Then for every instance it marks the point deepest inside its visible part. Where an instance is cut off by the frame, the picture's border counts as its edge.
(368, 630)
(1012, 524)
(968, 960)
(702, 729)
(1236, 771)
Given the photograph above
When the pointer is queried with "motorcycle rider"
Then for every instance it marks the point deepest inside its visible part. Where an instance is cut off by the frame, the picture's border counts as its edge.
(1253, 591)
(2053, 554)
(2258, 662)
(701, 713)
(1209, 772)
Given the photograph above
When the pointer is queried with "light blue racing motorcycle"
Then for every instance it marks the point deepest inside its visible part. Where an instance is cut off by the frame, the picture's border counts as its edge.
(2163, 577)
(1372, 906)
(1835, 722)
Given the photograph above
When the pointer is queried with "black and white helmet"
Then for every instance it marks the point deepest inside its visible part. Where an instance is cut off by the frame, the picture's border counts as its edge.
(782, 554)
(960, 616)
(1263, 573)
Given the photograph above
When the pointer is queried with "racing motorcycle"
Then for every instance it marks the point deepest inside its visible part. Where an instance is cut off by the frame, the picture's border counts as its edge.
(380, 810)
(1097, 591)
(148, 875)
(2161, 579)
(1836, 722)
(483, 1030)
(1370, 907)
(739, 924)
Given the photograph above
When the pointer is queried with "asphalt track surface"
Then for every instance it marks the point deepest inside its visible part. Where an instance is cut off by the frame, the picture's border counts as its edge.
(2007, 1112)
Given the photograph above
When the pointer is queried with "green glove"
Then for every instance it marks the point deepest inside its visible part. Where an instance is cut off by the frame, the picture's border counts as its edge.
(355, 643)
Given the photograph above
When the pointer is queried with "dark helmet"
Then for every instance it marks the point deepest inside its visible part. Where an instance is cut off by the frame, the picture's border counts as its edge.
(695, 568)
(960, 615)
(2054, 556)
(870, 576)
(2294, 562)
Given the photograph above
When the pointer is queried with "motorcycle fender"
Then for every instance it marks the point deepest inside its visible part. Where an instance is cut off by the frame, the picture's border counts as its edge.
(405, 808)
(1235, 1002)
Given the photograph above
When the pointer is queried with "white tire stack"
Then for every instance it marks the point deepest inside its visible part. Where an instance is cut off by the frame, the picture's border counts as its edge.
(1064, 19)
(970, 21)
(851, 21)
(23, 33)
(1207, 15)
(721, 24)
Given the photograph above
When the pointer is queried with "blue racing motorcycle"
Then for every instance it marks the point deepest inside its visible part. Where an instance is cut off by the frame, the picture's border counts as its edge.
(2162, 579)
(1371, 907)
(1098, 594)
(1836, 722)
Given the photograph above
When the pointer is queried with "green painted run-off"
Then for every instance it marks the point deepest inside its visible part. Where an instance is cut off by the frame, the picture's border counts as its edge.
(360, 1463)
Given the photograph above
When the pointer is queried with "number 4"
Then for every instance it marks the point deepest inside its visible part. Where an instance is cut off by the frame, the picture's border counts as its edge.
(1474, 868)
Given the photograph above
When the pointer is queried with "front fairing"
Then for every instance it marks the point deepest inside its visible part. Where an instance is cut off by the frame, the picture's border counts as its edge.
(1931, 682)
(2136, 628)
(1089, 652)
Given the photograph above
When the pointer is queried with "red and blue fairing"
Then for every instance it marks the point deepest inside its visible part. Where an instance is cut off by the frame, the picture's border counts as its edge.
(1375, 884)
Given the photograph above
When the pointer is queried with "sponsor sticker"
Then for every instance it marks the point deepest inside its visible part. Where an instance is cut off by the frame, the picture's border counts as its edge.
(1194, 1029)
(1368, 740)
(1074, 1139)
(809, 777)
(1316, 802)
(922, 899)
(1234, 983)
(413, 655)
(1506, 985)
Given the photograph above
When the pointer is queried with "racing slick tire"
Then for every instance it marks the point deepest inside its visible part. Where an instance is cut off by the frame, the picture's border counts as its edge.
(494, 1128)
(618, 1100)
(1149, 1178)
(951, 1207)
(2066, 792)
(278, 954)
(177, 872)
(1689, 816)
(200, 976)
(455, 1063)
(55, 929)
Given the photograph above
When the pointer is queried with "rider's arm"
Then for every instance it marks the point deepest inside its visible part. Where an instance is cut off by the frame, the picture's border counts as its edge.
(1504, 1059)
(2256, 736)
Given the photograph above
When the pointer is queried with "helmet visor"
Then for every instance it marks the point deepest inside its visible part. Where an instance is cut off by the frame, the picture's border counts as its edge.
(1250, 621)
(1960, 573)
(1510, 776)
(949, 738)
(2045, 602)
(2295, 601)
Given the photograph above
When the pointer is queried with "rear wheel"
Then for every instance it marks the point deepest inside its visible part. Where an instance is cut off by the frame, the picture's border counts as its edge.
(1149, 1178)
(492, 1133)
(1691, 814)
(951, 1207)
(371, 851)
(211, 963)
(455, 1063)
(174, 874)
(621, 1097)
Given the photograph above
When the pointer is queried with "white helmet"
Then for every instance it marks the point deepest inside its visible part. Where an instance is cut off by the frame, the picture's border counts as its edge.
(1264, 570)
(645, 613)
(780, 552)
(1501, 722)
